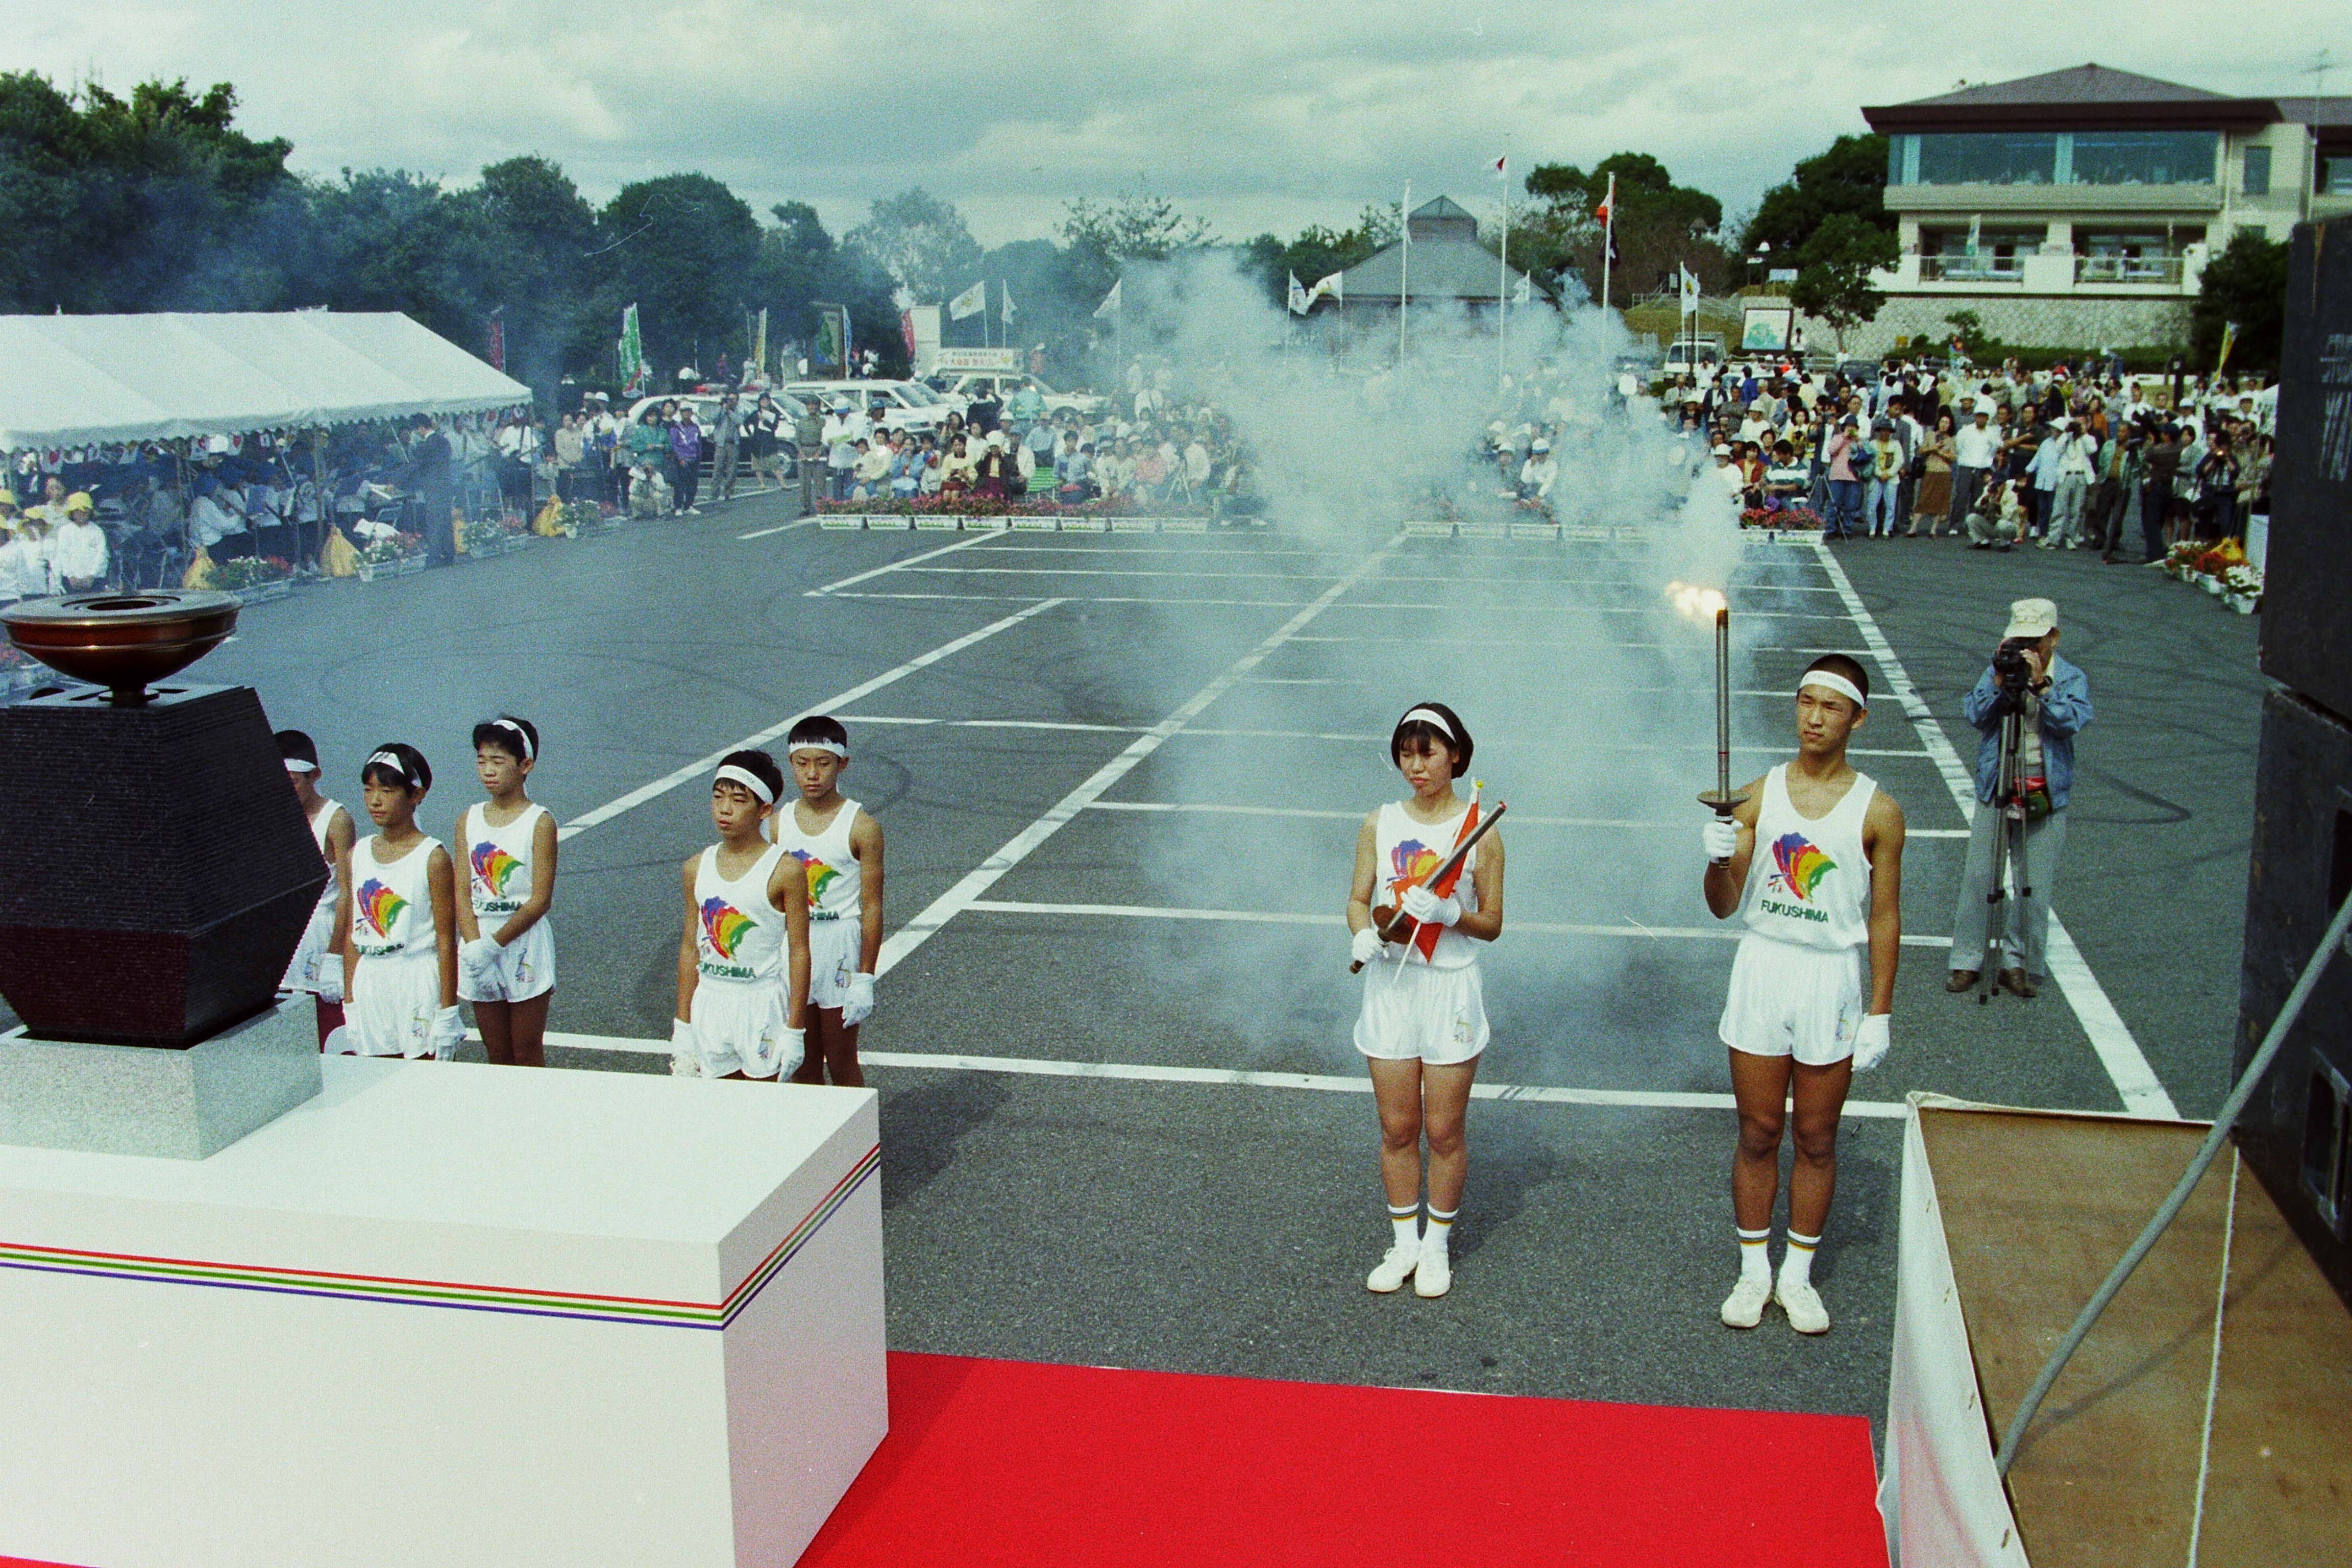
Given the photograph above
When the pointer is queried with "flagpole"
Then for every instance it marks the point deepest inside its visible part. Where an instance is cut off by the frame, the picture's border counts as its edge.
(1503, 280)
(1404, 272)
(1608, 239)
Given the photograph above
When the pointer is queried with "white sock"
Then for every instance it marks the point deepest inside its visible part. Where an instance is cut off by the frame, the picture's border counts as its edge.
(1755, 1260)
(1439, 1227)
(1407, 1221)
(1797, 1263)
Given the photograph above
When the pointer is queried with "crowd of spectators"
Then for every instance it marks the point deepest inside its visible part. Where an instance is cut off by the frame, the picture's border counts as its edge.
(2065, 459)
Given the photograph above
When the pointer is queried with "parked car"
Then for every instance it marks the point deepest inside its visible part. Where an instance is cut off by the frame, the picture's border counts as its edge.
(1685, 354)
(961, 387)
(904, 407)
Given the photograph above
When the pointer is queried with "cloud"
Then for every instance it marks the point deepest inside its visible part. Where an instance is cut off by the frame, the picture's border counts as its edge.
(1260, 114)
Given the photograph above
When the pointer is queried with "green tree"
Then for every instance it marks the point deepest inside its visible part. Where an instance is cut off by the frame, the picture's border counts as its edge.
(683, 248)
(1849, 178)
(1136, 226)
(384, 239)
(1317, 251)
(923, 244)
(532, 232)
(2245, 284)
(1833, 272)
(1658, 227)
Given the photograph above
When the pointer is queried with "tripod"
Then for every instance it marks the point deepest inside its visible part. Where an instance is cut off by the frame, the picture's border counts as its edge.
(2008, 852)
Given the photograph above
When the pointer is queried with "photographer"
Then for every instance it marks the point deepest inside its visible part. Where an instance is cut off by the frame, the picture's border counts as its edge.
(2052, 701)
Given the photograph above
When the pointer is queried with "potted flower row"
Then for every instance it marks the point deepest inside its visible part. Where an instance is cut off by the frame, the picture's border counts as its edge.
(488, 536)
(394, 557)
(253, 578)
(1782, 517)
(2242, 588)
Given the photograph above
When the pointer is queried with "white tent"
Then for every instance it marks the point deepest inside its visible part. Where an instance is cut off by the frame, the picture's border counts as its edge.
(72, 381)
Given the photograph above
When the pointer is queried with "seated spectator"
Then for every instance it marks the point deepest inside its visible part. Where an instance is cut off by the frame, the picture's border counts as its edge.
(959, 470)
(1072, 473)
(76, 550)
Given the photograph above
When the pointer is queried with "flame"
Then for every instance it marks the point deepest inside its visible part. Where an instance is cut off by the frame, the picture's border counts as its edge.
(1696, 604)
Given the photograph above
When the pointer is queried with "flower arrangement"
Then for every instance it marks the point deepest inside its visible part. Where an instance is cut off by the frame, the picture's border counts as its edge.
(581, 514)
(967, 504)
(250, 572)
(385, 551)
(1791, 516)
(2242, 578)
(486, 536)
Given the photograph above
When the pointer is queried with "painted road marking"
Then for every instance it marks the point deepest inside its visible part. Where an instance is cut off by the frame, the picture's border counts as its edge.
(948, 905)
(1518, 817)
(2143, 1092)
(780, 527)
(1630, 928)
(703, 765)
(966, 543)
(1324, 1083)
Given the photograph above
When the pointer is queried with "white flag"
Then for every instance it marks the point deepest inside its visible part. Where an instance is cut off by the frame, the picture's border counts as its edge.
(1005, 295)
(971, 303)
(1520, 295)
(1975, 232)
(1328, 288)
(1110, 306)
(1689, 288)
(1298, 300)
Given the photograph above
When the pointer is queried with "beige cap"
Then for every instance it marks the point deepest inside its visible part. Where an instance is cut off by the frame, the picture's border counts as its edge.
(2031, 618)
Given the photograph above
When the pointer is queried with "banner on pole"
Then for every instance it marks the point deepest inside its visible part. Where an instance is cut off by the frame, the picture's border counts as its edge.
(1110, 306)
(1298, 300)
(630, 355)
(498, 339)
(1331, 286)
(971, 303)
(1689, 289)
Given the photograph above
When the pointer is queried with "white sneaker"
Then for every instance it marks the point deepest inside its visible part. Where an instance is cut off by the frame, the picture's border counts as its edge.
(1395, 1269)
(1744, 1308)
(1433, 1276)
(694, 511)
(1803, 1305)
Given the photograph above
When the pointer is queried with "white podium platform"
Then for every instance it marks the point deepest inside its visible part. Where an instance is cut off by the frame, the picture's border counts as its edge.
(449, 1314)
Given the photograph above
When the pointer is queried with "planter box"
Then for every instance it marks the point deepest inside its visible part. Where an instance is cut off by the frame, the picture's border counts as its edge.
(840, 522)
(2244, 603)
(892, 522)
(1546, 531)
(1483, 529)
(1032, 525)
(407, 566)
(1183, 524)
(932, 522)
(1429, 528)
(1085, 524)
(1134, 525)
(981, 524)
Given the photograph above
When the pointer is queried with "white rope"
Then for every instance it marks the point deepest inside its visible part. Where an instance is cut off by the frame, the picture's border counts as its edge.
(2213, 1373)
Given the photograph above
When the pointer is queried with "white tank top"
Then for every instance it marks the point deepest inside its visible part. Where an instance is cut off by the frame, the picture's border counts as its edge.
(392, 901)
(1408, 848)
(498, 861)
(321, 821)
(835, 881)
(1808, 881)
(741, 937)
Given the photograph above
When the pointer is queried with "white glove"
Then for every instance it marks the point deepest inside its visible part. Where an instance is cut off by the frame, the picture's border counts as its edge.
(858, 1006)
(1366, 946)
(476, 956)
(791, 1054)
(1429, 908)
(329, 978)
(448, 1032)
(1872, 1040)
(685, 1051)
(1719, 839)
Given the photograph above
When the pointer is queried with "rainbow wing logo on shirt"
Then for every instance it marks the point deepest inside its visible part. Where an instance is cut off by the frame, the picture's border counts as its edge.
(1798, 864)
(723, 926)
(820, 875)
(380, 907)
(1409, 859)
(493, 867)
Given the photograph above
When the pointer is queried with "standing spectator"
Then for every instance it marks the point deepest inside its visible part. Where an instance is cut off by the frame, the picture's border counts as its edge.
(2071, 457)
(427, 474)
(2111, 490)
(2158, 474)
(1932, 499)
(570, 454)
(842, 433)
(2216, 504)
(1976, 450)
(1845, 486)
(686, 460)
(725, 437)
(766, 418)
(1885, 483)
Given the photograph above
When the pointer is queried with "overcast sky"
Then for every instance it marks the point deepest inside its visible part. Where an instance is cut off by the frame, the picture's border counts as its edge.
(1261, 115)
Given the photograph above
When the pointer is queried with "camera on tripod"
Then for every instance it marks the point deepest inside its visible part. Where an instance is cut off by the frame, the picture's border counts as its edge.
(2012, 670)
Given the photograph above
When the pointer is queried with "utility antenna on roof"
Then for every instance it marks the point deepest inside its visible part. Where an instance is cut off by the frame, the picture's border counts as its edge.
(2321, 64)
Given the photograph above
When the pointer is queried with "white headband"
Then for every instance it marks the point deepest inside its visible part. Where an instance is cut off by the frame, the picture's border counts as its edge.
(730, 774)
(391, 760)
(528, 751)
(1431, 717)
(835, 747)
(1830, 680)
(297, 766)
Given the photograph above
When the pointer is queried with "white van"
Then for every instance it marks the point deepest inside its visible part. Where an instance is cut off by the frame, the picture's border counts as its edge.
(904, 406)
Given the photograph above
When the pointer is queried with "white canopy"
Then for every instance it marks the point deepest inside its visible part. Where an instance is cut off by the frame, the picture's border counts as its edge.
(70, 380)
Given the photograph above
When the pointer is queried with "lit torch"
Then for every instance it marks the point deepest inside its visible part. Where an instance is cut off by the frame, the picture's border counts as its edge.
(1699, 604)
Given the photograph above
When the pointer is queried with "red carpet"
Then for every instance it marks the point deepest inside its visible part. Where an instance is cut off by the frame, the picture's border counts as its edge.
(999, 1464)
(1010, 1463)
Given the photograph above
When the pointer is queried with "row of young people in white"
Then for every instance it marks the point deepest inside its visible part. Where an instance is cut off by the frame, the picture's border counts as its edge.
(50, 550)
(393, 949)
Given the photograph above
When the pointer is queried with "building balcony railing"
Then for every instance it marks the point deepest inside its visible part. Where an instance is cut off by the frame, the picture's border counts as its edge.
(1971, 270)
(2165, 269)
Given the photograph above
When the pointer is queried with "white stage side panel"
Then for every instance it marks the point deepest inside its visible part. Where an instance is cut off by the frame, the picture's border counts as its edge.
(449, 1314)
(1939, 1490)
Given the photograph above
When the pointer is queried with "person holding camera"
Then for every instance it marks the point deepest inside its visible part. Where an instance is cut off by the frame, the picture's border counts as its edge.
(2024, 771)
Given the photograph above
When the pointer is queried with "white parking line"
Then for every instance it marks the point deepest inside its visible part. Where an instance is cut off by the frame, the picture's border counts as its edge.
(1629, 928)
(966, 543)
(1189, 602)
(948, 905)
(2143, 1092)
(780, 527)
(1519, 818)
(702, 766)
(1322, 1083)
(1644, 587)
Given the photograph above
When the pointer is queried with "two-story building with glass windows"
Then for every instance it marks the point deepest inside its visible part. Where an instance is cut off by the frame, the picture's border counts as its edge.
(2077, 208)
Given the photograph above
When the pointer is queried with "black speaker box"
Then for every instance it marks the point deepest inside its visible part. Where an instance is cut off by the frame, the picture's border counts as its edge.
(2295, 1132)
(2308, 574)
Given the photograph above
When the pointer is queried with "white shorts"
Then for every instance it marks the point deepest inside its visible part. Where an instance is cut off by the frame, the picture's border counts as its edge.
(739, 1026)
(390, 1007)
(1787, 1000)
(1438, 1016)
(303, 969)
(834, 947)
(525, 970)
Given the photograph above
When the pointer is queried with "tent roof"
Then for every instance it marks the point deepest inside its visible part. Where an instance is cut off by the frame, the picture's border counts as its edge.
(73, 380)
